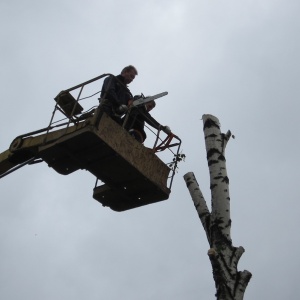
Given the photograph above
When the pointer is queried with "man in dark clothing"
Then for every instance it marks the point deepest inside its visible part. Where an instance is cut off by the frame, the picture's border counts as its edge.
(115, 95)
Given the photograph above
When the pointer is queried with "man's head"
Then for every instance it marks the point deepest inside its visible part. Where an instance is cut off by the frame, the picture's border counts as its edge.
(129, 73)
(150, 105)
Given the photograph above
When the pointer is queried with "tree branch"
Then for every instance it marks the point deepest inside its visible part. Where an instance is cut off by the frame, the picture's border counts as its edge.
(199, 201)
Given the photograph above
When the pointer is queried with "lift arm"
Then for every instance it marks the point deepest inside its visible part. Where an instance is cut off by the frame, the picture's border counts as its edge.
(27, 147)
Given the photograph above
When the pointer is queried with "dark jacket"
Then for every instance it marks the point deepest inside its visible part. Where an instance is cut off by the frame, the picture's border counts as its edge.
(115, 91)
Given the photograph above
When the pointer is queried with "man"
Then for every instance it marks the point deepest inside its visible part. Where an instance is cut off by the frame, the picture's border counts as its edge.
(115, 95)
(135, 122)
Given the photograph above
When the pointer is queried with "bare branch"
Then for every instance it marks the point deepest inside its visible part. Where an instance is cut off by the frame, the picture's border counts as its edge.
(199, 201)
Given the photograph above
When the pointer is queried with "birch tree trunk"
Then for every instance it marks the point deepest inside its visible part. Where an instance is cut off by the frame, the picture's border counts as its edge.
(224, 257)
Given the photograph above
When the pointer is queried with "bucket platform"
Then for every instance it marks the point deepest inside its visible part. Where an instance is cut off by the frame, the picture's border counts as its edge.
(133, 174)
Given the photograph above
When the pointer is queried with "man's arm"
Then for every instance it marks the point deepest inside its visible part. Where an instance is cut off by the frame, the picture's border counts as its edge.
(109, 90)
(151, 121)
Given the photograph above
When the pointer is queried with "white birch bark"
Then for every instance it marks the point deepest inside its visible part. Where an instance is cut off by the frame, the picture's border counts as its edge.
(230, 283)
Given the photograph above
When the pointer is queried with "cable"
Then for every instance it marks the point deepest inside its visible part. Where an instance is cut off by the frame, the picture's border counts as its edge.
(89, 96)
(29, 161)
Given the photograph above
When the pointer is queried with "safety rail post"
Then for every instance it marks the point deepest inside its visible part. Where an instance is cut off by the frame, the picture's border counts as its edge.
(50, 123)
(175, 165)
(74, 107)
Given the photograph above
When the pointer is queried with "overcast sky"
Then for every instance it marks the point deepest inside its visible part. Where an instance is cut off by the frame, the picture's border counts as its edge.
(238, 60)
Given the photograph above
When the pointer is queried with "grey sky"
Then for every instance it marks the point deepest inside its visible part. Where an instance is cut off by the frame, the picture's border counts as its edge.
(237, 60)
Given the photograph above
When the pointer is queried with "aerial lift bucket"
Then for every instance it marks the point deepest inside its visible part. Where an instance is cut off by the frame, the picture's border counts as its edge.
(132, 174)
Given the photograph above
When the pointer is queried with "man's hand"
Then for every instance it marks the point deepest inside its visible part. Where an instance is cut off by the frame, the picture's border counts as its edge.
(122, 109)
(130, 101)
